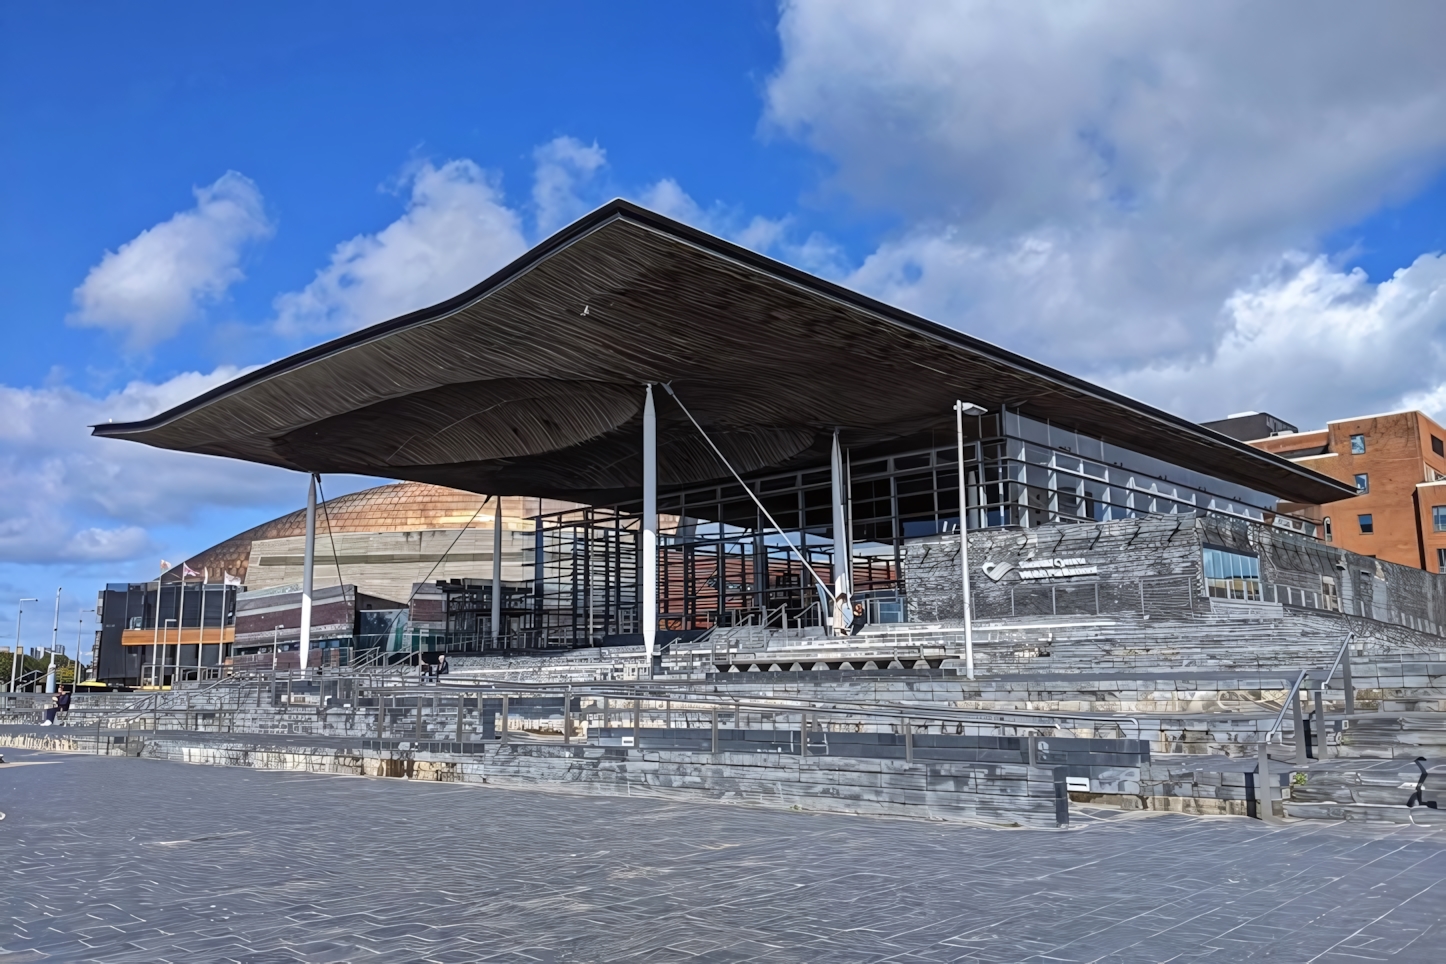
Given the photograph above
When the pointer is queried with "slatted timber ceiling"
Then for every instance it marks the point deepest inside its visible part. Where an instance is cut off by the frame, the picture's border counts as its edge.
(531, 383)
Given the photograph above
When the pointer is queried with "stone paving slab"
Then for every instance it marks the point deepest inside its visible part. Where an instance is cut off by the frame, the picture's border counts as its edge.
(119, 859)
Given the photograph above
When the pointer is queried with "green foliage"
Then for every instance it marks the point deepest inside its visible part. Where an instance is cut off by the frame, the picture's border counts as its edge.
(64, 668)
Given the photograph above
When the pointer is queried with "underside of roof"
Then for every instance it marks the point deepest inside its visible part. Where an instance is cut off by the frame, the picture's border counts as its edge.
(532, 382)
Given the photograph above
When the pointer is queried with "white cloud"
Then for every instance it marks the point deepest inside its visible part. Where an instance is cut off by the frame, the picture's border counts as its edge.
(1317, 339)
(455, 232)
(72, 498)
(159, 280)
(1095, 183)
(565, 166)
(668, 198)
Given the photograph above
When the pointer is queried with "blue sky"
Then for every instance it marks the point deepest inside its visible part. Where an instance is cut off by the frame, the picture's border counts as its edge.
(1213, 207)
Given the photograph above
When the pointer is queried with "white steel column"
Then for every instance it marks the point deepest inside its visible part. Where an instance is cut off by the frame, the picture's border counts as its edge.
(650, 525)
(307, 564)
(960, 408)
(497, 570)
(842, 564)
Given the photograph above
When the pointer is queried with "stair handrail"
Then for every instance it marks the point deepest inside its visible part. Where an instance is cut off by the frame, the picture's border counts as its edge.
(1300, 679)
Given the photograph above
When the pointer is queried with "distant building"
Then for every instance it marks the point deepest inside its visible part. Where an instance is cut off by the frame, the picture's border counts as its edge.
(1397, 463)
(1248, 426)
(382, 546)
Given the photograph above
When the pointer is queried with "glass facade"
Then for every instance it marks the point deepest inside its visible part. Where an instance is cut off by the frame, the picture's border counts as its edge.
(721, 563)
(1232, 575)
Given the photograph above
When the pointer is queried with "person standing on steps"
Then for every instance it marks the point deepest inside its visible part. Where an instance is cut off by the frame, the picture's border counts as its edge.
(442, 669)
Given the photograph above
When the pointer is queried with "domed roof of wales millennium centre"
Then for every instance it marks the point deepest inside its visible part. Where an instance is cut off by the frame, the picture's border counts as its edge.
(397, 507)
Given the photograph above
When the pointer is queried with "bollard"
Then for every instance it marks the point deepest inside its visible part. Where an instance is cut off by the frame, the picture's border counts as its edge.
(1263, 784)
(715, 729)
(1320, 726)
(1061, 796)
(803, 734)
(908, 742)
(461, 698)
(637, 721)
(505, 700)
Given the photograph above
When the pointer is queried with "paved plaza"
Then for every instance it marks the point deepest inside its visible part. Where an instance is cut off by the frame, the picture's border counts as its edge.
(116, 859)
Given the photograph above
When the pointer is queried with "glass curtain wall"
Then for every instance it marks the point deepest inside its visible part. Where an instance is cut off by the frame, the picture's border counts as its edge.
(722, 564)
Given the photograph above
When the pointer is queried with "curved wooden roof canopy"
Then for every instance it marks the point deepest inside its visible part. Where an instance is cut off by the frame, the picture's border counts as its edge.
(531, 382)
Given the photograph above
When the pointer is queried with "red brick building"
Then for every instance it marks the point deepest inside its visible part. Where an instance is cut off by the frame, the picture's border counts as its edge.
(1396, 461)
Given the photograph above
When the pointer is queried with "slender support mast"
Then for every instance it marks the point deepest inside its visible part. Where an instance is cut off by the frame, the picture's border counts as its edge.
(842, 563)
(307, 564)
(497, 571)
(650, 525)
(959, 409)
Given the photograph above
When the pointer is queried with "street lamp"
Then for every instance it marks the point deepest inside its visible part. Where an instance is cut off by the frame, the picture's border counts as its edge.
(165, 635)
(79, 625)
(960, 410)
(54, 638)
(15, 663)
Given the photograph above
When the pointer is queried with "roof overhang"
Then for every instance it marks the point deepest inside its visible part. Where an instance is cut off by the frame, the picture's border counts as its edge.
(532, 382)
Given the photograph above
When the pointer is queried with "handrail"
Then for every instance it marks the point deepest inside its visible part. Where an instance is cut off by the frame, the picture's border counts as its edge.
(1300, 681)
(1340, 653)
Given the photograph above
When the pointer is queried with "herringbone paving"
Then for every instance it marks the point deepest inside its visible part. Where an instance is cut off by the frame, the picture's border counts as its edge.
(117, 859)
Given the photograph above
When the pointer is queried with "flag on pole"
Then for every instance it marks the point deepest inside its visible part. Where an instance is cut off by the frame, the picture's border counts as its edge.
(165, 565)
(187, 571)
(229, 580)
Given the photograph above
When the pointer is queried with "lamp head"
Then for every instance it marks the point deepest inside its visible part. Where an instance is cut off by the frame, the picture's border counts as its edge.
(969, 408)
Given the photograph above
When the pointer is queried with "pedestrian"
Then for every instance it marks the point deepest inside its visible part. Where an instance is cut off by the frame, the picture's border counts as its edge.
(62, 703)
(861, 614)
(442, 668)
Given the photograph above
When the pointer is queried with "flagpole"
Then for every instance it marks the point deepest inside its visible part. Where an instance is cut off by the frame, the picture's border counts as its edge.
(156, 642)
(201, 639)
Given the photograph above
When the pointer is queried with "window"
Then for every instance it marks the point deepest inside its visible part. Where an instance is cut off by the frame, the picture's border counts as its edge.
(1438, 446)
(1232, 575)
(1330, 598)
(1441, 560)
(1358, 445)
(1368, 525)
(1326, 526)
(1438, 518)
(1363, 483)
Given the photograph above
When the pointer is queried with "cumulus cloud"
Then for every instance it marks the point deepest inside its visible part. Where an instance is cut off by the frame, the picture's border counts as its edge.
(161, 279)
(1097, 183)
(72, 498)
(456, 230)
(1351, 346)
(565, 168)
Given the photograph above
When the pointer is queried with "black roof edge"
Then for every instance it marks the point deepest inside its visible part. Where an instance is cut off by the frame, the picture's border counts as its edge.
(620, 208)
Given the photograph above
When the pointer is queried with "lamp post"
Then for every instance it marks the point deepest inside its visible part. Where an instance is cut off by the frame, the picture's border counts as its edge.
(19, 650)
(79, 626)
(54, 638)
(960, 410)
(166, 635)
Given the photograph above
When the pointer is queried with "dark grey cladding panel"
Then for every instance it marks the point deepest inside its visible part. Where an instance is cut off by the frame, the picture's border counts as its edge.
(530, 384)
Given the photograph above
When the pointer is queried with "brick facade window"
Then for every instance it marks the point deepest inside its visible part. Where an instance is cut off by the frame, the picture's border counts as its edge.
(1363, 483)
(1358, 445)
(1441, 560)
(1438, 518)
(1368, 524)
(1438, 446)
(1326, 528)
